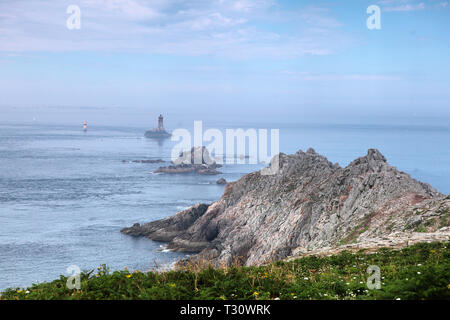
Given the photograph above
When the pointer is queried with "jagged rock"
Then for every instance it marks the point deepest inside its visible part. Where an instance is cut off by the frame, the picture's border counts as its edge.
(396, 240)
(308, 204)
(197, 155)
(188, 168)
(169, 228)
(221, 181)
(197, 160)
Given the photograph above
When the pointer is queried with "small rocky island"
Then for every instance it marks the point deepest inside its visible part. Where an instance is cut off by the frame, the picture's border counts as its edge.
(309, 206)
(197, 160)
(221, 181)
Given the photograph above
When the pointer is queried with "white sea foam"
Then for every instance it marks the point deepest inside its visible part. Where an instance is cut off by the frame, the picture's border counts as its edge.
(163, 248)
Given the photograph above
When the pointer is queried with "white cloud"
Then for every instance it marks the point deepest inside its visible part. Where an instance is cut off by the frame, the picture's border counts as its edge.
(405, 7)
(249, 5)
(131, 9)
(341, 77)
(187, 27)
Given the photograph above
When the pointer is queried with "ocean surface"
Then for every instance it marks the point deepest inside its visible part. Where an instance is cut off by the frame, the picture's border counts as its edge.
(65, 194)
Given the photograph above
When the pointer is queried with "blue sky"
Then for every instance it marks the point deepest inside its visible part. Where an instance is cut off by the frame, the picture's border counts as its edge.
(242, 57)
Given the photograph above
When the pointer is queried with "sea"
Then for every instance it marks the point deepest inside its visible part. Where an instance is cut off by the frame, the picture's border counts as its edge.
(65, 194)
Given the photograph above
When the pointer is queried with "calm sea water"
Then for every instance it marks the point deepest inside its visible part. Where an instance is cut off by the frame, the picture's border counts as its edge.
(65, 194)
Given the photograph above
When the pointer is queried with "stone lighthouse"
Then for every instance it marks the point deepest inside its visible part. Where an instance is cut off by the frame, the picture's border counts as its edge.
(160, 123)
(158, 132)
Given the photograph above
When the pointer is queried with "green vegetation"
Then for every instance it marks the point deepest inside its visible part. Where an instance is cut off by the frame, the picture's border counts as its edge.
(391, 226)
(290, 187)
(444, 219)
(421, 229)
(421, 271)
(408, 227)
(359, 229)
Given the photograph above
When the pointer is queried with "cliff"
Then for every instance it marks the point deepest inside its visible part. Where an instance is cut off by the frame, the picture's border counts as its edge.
(309, 204)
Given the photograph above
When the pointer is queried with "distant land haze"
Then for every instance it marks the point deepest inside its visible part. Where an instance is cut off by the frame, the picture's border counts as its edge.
(176, 116)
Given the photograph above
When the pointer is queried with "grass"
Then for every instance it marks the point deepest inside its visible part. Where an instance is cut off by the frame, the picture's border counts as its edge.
(359, 229)
(444, 222)
(421, 229)
(421, 271)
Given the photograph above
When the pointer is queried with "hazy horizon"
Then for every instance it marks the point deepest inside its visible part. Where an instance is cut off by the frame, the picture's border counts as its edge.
(133, 59)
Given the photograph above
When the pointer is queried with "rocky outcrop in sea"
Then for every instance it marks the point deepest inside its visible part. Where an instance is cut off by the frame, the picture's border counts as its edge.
(222, 181)
(309, 205)
(144, 161)
(197, 160)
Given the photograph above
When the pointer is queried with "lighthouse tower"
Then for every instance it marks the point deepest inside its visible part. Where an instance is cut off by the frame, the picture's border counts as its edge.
(159, 132)
(160, 123)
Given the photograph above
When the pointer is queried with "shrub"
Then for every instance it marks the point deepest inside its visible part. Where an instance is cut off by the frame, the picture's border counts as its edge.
(421, 271)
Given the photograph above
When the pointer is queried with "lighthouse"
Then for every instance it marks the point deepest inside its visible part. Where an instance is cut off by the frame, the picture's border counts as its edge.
(159, 132)
(160, 123)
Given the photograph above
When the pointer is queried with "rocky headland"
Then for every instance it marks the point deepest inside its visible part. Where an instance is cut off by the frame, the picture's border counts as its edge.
(309, 205)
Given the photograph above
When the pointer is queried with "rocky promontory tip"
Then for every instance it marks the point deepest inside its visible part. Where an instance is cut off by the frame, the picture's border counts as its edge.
(197, 160)
(168, 229)
(376, 155)
(308, 204)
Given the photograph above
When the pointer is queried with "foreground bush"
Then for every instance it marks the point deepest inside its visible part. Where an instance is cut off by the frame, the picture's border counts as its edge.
(421, 271)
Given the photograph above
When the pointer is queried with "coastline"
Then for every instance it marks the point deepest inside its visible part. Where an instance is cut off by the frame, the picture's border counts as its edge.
(309, 205)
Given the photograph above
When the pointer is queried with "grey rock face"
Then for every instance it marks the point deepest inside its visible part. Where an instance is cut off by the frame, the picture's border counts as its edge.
(309, 203)
(168, 229)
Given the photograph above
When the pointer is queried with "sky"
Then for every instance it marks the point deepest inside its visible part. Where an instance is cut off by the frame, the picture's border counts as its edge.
(134, 59)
